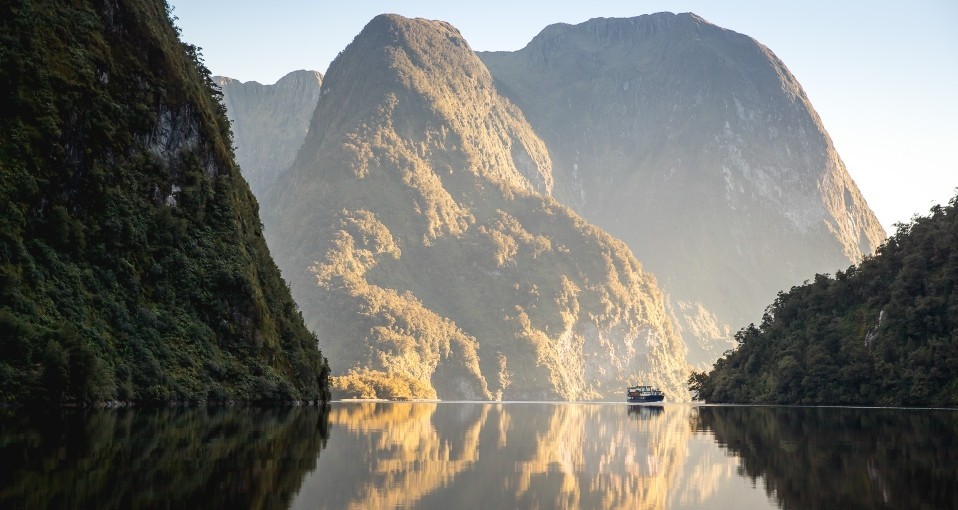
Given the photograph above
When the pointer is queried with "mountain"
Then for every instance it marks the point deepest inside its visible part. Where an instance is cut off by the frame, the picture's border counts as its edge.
(269, 123)
(132, 261)
(884, 332)
(419, 237)
(697, 147)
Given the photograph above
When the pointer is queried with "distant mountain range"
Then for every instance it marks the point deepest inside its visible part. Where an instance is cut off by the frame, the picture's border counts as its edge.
(427, 225)
(269, 122)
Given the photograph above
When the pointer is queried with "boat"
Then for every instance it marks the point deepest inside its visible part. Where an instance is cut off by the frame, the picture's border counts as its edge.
(639, 394)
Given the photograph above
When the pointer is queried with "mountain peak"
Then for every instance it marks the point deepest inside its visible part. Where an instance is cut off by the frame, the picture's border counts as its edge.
(402, 45)
(397, 66)
(302, 76)
(413, 35)
(419, 208)
(678, 111)
(397, 23)
(624, 29)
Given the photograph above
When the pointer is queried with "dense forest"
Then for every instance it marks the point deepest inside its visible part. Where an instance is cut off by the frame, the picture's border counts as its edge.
(882, 333)
(132, 261)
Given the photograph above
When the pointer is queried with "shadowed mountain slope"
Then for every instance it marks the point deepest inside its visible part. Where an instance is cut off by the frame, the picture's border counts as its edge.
(269, 123)
(697, 147)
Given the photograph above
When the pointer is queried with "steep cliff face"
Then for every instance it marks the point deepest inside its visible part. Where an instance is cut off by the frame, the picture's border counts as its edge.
(132, 262)
(269, 123)
(418, 234)
(697, 147)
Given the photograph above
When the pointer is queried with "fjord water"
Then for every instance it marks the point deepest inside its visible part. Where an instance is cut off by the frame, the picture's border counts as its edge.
(481, 455)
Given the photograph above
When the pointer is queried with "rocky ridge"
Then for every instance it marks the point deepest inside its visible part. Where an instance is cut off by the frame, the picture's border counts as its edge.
(697, 147)
(269, 122)
(418, 233)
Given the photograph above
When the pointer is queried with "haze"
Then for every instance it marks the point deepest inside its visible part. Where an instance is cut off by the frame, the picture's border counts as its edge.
(880, 75)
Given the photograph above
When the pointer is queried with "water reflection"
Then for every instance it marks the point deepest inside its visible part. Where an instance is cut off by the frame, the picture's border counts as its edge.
(844, 458)
(149, 458)
(520, 455)
(481, 455)
(644, 412)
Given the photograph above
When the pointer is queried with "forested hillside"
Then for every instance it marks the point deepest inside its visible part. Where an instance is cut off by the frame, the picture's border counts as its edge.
(884, 332)
(132, 262)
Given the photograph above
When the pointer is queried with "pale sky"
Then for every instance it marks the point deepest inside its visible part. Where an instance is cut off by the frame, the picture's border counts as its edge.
(882, 75)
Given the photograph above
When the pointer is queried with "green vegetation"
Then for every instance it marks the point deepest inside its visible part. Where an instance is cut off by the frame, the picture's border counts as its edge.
(882, 333)
(726, 206)
(409, 339)
(132, 262)
(438, 265)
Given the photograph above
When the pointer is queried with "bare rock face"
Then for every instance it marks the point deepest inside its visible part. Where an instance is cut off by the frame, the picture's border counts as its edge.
(269, 123)
(421, 242)
(697, 147)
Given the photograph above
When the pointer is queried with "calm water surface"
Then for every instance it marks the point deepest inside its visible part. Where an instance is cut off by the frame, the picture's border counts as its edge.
(479, 455)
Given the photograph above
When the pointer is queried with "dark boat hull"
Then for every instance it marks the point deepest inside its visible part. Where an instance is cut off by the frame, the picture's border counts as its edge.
(644, 399)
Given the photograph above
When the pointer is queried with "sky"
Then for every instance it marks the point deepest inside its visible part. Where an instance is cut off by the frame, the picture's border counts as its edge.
(882, 75)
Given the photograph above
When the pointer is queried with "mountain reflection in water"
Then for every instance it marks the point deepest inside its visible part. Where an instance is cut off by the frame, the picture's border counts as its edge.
(481, 455)
(557, 455)
(521, 455)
